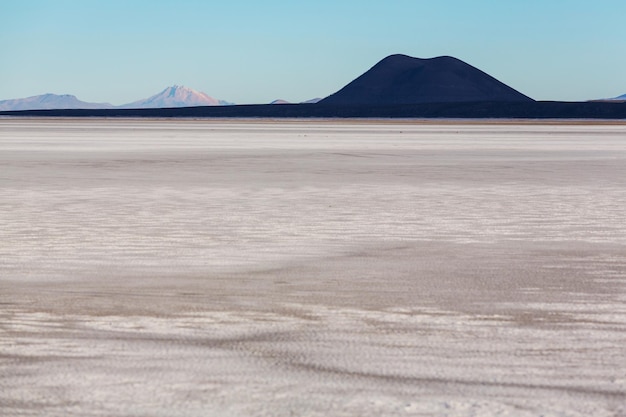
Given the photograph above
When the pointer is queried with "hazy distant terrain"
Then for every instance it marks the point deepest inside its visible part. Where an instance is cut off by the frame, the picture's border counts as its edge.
(326, 268)
(618, 98)
(50, 101)
(174, 96)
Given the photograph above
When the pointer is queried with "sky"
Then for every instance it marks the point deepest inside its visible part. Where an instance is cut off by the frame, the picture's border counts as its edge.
(256, 51)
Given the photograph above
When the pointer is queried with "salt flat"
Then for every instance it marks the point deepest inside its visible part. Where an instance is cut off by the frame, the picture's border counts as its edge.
(318, 268)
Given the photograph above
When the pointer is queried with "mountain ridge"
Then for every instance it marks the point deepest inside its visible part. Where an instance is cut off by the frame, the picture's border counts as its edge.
(173, 96)
(50, 101)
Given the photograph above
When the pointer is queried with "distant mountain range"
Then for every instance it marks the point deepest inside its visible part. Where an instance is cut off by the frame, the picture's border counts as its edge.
(50, 101)
(618, 98)
(401, 79)
(175, 96)
(311, 101)
(397, 86)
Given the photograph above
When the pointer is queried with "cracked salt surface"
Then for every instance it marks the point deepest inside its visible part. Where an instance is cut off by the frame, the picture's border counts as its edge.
(248, 268)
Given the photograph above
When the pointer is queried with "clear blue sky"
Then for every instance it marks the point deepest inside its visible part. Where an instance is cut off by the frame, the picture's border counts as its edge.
(255, 51)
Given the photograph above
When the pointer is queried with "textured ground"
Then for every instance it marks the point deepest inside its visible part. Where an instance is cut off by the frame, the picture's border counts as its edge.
(255, 268)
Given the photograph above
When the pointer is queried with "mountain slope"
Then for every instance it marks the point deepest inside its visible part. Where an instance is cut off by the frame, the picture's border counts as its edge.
(176, 96)
(50, 101)
(400, 79)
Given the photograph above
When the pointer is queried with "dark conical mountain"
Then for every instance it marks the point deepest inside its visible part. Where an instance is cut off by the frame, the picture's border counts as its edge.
(401, 79)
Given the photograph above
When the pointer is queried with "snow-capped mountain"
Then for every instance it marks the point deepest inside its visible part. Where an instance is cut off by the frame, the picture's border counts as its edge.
(50, 101)
(176, 96)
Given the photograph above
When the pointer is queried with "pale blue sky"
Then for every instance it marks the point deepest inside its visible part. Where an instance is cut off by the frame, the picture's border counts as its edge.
(256, 51)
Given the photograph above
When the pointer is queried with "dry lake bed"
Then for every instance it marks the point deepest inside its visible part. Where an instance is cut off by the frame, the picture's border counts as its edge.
(312, 268)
